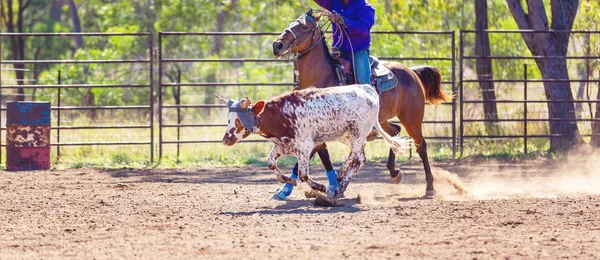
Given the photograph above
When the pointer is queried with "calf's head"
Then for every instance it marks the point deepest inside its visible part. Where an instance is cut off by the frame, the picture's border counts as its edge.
(241, 119)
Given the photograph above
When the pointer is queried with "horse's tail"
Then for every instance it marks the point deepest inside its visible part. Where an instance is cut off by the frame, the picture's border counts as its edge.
(431, 78)
(398, 144)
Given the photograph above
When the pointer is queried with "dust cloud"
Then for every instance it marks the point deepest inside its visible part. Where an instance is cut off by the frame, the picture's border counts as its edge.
(576, 175)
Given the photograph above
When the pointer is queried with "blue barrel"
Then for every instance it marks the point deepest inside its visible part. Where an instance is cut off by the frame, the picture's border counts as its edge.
(27, 136)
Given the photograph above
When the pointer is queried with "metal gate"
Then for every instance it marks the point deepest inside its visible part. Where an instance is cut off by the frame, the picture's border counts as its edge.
(174, 61)
(62, 85)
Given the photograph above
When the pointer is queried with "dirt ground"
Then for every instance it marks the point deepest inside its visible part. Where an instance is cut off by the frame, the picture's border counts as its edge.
(526, 209)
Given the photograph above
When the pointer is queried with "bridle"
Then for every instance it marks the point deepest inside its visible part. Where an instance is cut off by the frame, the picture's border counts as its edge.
(300, 39)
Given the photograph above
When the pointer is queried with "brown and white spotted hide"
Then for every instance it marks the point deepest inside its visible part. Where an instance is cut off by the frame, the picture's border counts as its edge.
(299, 121)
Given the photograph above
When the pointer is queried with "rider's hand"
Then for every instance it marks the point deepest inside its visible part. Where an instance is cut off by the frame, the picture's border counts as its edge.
(334, 17)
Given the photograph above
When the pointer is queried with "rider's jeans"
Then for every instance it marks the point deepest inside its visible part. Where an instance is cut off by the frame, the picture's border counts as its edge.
(362, 66)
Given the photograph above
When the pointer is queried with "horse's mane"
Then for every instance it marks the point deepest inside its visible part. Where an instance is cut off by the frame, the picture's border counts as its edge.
(327, 54)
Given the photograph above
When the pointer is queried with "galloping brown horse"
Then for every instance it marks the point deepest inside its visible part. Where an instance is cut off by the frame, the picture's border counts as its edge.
(303, 39)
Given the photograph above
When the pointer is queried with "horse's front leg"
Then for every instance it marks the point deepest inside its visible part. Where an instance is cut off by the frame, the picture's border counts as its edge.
(303, 171)
(272, 164)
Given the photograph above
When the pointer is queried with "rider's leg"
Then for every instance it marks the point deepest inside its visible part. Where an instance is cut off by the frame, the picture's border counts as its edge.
(362, 66)
(363, 76)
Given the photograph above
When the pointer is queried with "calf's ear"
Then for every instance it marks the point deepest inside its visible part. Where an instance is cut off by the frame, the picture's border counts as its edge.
(222, 100)
(258, 107)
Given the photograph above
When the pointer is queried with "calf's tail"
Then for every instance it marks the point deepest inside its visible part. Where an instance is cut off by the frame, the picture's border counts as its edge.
(398, 144)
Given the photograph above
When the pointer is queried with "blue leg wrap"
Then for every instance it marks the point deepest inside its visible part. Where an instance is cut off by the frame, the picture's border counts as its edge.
(333, 182)
(287, 188)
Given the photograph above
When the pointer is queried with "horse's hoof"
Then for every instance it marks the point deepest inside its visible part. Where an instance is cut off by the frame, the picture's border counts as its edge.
(429, 194)
(278, 196)
(324, 201)
(311, 194)
(397, 179)
(372, 135)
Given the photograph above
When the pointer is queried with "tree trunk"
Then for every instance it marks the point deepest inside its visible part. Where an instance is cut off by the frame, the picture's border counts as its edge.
(56, 10)
(560, 91)
(595, 142)
(17, 43)
(484, 66)
(76, 24)
(90, 98)
(563, 126)
(585, 72)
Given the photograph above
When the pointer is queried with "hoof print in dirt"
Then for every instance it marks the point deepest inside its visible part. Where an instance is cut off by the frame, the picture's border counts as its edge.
(324, 201)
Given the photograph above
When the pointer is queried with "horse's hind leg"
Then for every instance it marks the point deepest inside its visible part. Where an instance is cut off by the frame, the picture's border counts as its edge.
(415, 132)
(324, 156)
(393, 130)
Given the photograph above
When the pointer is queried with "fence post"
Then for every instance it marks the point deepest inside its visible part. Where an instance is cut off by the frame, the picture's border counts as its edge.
(58, 117)
(151, 53)
(525, 107)
(159, 86)
(460, 80)
(453, 98)
(178, 111)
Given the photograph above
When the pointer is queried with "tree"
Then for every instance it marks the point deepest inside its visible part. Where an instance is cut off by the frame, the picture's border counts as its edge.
(484, 65)
(13, 19)
(552, 44)
(589, 19)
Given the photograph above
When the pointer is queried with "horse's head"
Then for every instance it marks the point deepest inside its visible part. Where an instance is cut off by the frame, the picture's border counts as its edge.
(241, 119)
(295, 38)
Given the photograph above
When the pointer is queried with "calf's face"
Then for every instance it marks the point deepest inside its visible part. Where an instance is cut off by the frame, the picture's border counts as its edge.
(235, 128)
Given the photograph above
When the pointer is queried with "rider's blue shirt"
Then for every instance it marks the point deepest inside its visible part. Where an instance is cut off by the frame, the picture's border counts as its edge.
(359, 17)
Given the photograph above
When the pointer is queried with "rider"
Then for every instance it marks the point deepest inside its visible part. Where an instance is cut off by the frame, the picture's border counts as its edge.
(357, 17)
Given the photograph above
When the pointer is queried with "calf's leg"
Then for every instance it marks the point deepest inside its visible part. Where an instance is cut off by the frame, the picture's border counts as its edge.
(303, 172)
(355, 161)
(286, 190)
(272, 164)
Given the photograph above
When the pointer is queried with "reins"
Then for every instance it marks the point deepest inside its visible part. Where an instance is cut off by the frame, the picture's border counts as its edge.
(344, 33)
(299, 39)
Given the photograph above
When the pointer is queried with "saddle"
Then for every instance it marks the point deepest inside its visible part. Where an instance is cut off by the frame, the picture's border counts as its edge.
(382, 78)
